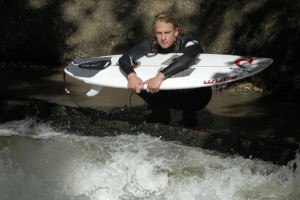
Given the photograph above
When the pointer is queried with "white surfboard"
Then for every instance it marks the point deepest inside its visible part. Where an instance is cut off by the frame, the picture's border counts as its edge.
(208, 70)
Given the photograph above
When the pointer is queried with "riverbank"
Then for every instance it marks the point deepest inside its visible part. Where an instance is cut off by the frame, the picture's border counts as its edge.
(236, 122)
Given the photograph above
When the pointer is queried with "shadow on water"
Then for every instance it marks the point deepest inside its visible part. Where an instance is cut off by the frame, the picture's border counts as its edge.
(27, 58)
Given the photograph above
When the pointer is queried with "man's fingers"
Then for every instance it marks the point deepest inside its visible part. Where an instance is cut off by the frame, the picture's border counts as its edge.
(152, 90)
(138, 88)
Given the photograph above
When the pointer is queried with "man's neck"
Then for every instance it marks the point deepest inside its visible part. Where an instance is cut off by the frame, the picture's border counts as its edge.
(171, 49)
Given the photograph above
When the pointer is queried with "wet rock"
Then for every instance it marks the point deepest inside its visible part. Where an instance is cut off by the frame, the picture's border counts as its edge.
(94, 123)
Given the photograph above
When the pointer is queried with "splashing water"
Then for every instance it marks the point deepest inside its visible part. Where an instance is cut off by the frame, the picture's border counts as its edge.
(38, 163)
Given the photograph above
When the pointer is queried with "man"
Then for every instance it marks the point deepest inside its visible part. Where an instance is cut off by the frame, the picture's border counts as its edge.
(167, 37)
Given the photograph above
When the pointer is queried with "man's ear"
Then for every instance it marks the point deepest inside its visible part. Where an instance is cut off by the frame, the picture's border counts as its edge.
(176, 31)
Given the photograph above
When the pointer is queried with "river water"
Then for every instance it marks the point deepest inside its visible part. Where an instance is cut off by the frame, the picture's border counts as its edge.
(37, 162)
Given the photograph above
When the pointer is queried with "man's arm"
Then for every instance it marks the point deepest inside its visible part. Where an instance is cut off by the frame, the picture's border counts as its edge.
(191, 49)
(127, 62)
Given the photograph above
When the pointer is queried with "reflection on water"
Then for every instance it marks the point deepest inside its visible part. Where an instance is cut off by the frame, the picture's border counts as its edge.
(37, 162)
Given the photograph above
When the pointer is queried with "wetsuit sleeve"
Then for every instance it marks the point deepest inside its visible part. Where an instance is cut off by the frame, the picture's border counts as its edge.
(191, 49)
(126, 62)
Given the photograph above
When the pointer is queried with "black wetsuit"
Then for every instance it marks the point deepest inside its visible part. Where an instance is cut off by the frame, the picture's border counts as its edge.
(188, 100)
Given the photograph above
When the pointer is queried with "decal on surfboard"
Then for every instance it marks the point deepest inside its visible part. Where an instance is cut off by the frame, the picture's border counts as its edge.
(243, 62)
(219, 80)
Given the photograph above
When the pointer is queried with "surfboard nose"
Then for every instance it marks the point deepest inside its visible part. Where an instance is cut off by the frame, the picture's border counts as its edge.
(263, 61)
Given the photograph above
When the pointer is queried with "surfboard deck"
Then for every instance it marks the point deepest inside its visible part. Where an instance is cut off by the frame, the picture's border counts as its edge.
(208, 70)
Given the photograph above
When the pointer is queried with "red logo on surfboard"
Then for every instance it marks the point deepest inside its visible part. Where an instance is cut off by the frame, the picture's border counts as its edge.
(219, 80)
(243, 62)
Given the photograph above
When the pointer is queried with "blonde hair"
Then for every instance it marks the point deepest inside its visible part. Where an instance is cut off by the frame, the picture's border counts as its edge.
(166, 17)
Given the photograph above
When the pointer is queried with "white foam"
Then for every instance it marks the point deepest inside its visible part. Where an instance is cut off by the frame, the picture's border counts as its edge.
(25, 127)
(130, 167)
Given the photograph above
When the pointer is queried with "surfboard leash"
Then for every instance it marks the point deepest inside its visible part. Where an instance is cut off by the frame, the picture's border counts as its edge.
(135, 111)
(130, 105)
(67, 91)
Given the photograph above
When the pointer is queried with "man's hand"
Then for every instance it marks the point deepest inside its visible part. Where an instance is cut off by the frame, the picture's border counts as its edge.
(153, 84)
(135, 83)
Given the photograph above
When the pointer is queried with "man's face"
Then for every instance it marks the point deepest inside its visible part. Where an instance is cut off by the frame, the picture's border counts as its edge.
(165, 34)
